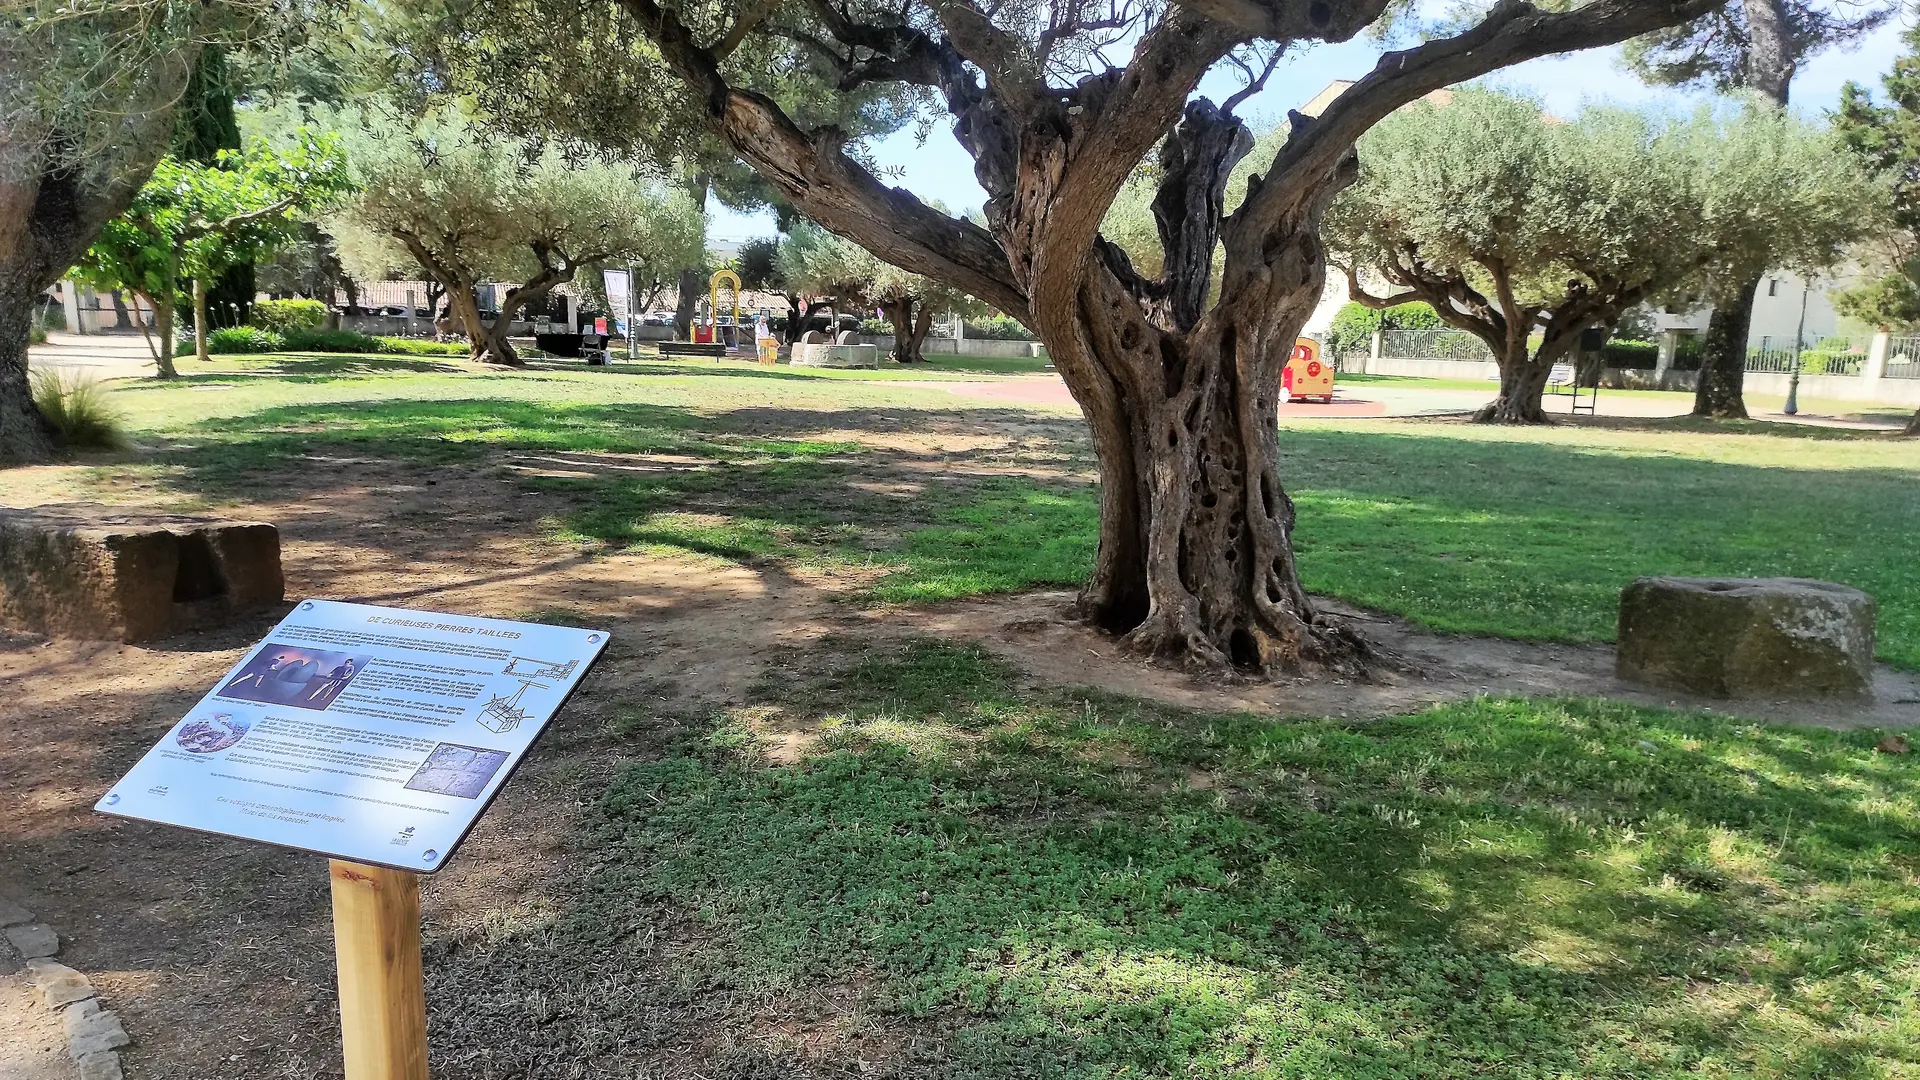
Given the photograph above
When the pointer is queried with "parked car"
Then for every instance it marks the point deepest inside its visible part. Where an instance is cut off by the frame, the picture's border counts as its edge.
(657, 318)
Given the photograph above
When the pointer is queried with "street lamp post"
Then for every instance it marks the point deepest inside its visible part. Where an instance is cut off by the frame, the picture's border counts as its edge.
(1792, 407)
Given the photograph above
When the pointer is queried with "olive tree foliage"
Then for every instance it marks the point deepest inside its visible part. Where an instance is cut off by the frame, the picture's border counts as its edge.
(581, 71)
(87, 92)
(1526, 231)
(1058, 104)
(470, 206)
(1756, 47)
(817, 262)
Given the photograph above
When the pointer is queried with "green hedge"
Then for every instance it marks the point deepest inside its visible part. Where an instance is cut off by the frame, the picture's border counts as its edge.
(1632, 355)
(998, 328)
(240, 339)
(347, 341)
(281, 316)
(1353, 327)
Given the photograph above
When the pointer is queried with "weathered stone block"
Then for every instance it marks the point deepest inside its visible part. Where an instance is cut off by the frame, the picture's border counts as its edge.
(808, 354)
(101, 1065)
(58, 984)
(1747, 637)
(73, 571)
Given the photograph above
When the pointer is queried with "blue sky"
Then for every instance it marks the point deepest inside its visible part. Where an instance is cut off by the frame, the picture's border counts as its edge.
(940, 170)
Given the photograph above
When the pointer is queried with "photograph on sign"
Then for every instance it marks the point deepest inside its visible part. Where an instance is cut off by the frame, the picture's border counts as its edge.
(372, 734)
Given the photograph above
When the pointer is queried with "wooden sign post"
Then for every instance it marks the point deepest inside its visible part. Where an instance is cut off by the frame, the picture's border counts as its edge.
(383, 999)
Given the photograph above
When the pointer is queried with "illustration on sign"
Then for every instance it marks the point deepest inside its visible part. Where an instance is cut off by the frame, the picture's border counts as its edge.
(210, 735)
(375, 735)
(503, 713)
(457, 770)
(285, 675)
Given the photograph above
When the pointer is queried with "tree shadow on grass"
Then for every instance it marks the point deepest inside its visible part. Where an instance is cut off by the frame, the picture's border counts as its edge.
(1021, 884)
(1518, 538)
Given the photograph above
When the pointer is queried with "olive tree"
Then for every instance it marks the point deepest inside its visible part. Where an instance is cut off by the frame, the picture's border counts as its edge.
(1058, 104)
(86, 107)
(813, 261)
(1525, 231)
(471, 206)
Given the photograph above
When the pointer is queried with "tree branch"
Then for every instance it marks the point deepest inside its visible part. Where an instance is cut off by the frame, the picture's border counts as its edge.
(814, 173)
(1289, 20)
(744, 25)
(1359, 295)
(1514, 30)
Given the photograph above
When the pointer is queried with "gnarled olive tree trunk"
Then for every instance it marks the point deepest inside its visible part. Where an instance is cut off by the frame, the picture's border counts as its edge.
(1523, 386)
(910, 321)
(1196, 559)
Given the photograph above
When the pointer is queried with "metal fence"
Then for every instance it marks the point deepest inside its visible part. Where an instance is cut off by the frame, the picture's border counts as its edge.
(1903, 357)
(1432, 345)
(1828, 356)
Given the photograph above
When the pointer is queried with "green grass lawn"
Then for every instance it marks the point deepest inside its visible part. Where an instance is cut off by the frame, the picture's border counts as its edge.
(1011, 883)
(1526, 533)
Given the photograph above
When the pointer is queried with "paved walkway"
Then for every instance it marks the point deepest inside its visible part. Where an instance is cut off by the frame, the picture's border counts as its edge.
(1376, 399)
(1366, 399)
(104, 356)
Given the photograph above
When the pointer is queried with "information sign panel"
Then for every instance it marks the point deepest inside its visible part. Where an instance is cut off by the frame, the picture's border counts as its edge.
(372, 734)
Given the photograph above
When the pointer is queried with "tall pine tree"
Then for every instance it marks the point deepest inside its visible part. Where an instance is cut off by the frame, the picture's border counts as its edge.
(204, 126)
(1755, 46)
(1887, 138)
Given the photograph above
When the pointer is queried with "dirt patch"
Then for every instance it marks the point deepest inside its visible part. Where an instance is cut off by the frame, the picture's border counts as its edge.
(33, 1045)
(1039, 633)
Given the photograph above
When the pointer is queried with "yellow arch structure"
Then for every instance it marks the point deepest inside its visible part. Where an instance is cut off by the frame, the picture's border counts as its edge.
(732, 281)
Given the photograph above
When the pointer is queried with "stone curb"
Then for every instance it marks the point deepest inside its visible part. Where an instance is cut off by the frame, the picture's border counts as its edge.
(94, 1035)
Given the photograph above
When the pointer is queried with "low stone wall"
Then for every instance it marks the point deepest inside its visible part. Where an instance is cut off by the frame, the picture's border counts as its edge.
(950, 347)
(1883, 391)
(1434, 369)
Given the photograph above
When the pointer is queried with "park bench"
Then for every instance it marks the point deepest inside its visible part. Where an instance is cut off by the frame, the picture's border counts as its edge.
(692, 348)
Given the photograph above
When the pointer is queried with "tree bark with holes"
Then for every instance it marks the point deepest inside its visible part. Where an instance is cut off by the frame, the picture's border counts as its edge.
(1195, 561)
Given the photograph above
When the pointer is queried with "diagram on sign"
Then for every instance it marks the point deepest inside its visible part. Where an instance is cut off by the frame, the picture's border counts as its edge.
(503, 713)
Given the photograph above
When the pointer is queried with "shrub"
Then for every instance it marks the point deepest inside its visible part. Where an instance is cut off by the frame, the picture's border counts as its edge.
(999, 328)
(876, 327)
(328, 341)
(347, 341)
(77, 408)
(241, 339)
(1632, 355)
(281, 316)
(37, 335)
(421, 347)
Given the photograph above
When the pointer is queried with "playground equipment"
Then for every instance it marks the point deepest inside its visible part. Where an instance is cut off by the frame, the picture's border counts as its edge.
(1305, 375)
(717, 332)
